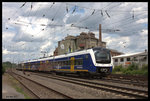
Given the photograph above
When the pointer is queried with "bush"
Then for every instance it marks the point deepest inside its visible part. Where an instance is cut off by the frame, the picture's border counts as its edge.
(132, 67)
(125, 70)
(117, 68)
(145, 67)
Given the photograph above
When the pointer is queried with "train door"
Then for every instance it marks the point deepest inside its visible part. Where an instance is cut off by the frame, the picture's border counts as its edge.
(72, 64)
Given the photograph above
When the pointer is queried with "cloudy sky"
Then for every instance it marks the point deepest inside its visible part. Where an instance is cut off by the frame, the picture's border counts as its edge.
(31, 27)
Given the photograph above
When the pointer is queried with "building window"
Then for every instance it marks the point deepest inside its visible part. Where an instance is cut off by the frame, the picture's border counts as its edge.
(122, 59)
(128, 59)
(143, 58)
(116, 60)
(135, 59)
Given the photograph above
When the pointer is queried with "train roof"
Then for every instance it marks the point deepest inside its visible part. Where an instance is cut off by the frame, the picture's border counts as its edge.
(69, 54)
(62, 56)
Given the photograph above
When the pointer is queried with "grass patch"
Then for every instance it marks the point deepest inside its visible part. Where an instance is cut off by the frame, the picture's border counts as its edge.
(18, 89)
(15, 84)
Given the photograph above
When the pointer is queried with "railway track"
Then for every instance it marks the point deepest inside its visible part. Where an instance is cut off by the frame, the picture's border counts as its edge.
(39, 90)
(118, 79)
(127, 81)
(124, 91)
(131, 77)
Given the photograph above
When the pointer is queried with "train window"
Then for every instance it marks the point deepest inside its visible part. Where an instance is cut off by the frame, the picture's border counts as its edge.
(86, 56)
(76, 62)
(116, 60)
(122, 59)
(38, 63)
(55, 63)
(51, 63)
(62, 63)
(79, 62)
(59, 63)
(66, 63)
(69, 62)
(128, 59)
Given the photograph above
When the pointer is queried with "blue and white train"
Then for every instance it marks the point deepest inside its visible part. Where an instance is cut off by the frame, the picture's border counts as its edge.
(96, 61)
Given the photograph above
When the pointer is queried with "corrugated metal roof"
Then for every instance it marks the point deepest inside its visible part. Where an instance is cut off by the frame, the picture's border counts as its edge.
(131, 54)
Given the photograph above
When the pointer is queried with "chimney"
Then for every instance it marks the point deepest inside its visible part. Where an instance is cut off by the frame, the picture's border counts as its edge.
(100, 35)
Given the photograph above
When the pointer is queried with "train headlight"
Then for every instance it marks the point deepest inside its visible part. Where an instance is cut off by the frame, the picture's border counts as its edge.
(104, 69)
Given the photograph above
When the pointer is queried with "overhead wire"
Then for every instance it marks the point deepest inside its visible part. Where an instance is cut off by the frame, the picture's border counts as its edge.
(130, 20)
(89, 15)
(108, 16)
(122, 20)
(13, 15)
(106, 13)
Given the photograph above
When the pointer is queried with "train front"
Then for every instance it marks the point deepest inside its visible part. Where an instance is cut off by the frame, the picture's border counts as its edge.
(102, 61)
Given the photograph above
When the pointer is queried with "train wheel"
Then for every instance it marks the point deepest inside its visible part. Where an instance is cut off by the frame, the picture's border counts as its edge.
(100, 77)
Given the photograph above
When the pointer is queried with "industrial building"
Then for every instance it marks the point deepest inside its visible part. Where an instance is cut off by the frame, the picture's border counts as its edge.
(80, 42)
(139, 58)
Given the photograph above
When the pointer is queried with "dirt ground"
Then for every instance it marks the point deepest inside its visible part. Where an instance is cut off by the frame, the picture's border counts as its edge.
(8, 90)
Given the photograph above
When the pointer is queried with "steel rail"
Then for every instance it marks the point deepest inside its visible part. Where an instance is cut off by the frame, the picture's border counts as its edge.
(106, 87)
(24, 85)
(66, 96)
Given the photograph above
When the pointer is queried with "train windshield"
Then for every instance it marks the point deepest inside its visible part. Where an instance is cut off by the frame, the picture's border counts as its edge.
(102, 56)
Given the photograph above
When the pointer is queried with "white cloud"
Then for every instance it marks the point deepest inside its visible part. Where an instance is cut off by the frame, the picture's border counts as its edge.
(35, 39)
(47, 44)
(8, 35)
(137, 9)
(145, 20)
(124, 4)
(5, 51)
(144, 32)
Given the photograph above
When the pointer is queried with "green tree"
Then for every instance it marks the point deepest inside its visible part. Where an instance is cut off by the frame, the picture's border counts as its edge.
(6, 65)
